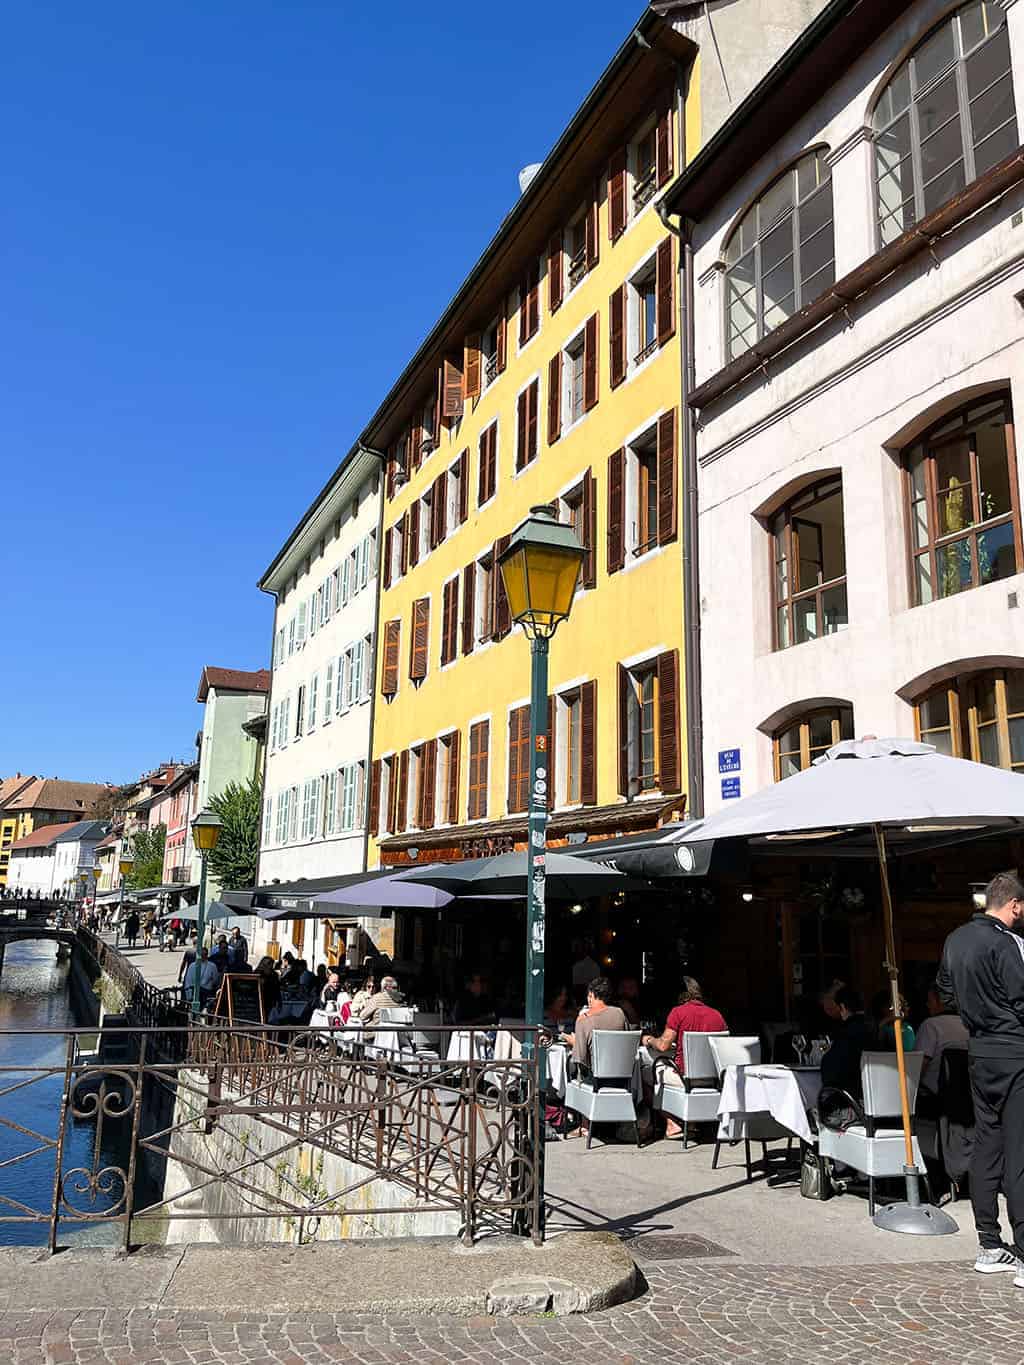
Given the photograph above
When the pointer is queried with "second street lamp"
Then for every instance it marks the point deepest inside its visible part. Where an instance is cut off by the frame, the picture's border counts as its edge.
(540, 570)
(205, 833)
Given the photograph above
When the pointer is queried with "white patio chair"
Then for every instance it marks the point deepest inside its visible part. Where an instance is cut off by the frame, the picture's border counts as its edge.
(606, 1094)
(878, 1151)
(756, 1127)
(694, 1096)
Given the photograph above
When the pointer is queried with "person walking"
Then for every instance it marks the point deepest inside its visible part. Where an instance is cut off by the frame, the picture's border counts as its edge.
(982, 979)
(131, 928)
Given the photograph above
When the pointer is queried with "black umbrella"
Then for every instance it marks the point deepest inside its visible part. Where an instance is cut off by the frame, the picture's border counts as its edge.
(568, 879)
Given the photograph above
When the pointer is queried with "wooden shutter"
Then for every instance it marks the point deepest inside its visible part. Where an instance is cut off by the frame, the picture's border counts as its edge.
(590, 363)
(402, 796)
(386, 566)
(589, 574)
(501, 339)
(616, 510)
(452, 802)
(593, 235)
(391, 814)
(623, 735)
(522, 458)
(471, 365)
(665, 293)
(414, 533)
(667, 511)
(419, 641)
(439, 510)
(414, 444)
(389, 668)
(518, 758)
(617, 195)
(468, 607)
(617, 337)
(555, 271)
(463, 487)
(668, 721)
(664, 145)
(389, 488)
(588, 743)
(479, 754)
(555, 398)
(450, 622)
(375, 797)
(451, 390)
(529, 316)
(481, 473)
(428, 783)
(502, 615)
(532, 414)
(402, 531)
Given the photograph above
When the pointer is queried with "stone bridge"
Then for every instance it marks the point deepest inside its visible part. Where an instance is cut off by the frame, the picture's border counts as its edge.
(33, 920)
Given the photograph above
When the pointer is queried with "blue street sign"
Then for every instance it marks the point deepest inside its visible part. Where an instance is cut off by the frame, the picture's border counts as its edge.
(728, 760)
(730, 788)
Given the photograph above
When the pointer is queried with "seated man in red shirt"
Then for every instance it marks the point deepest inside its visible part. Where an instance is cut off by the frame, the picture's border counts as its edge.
(691, 1015)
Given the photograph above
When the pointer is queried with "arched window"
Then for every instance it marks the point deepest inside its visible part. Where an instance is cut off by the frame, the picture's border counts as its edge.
(976, 715)
(781, 255)
(810, 565)
(804, 738)
(945, 118)
(963, 509)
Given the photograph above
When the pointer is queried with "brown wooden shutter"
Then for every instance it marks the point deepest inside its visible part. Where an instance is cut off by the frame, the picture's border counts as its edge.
(589, 574)
(454, 758)
(402, 531)
(529, 315)
(522, 457)
(665, 293)
(414, 533)
(375, 797)
(471, 365)
(588, 743)
(450, 625)
(617, 195)
(479, 755)
(451, 390)
(555, 398)
(481, 473)
(419, 642)
(390, 482)
(590, 363)
(518, 756)
(402, 794)
(667, 511)
(389, 668)
(463, 487)
(502, 616)
(468, 607)
(664, 145)
(555, 272)
(617, 337)
(501, 339)
(616, 510)
(668, 722)
(428, 783)
(386, 566)
(593, 234)
(414, 445)
(439, 510)
(623, 735)
(532, 415)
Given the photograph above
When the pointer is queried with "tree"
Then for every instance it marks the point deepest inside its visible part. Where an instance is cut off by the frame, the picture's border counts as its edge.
(148, 852)
(233, 861)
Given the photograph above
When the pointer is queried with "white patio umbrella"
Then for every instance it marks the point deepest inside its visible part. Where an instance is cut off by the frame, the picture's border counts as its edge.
(906, 794)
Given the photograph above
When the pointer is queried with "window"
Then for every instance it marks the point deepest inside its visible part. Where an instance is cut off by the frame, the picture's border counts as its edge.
(804, 739)
(390, 659)
(529, 303)
(576, 248)
(268, 811)
(314, 697)
(484, 611)
(492, 344)
(572, 750)
(450, 621)
(578, 508)
(645, 168)
(293, 814)
(280, 647)
(642, 502)
(782, 255)
(328, 693)
(946, 117)
(300, 629)
(419, 639)
(424, 525)
(526, 424)
(300, 711)
(456, 491)
(649, 746)
(327, 600)
(281, 825)
(574, 379)
(330, 802)
(315, 607)
(963, 511)
(518, 758)
(645, 294)
(446, 801)
(371, 556)
(291, 637)
(978, 716)
(810, 565)
(366, 668)
(351, 778)
(479, 753)
(487, 482)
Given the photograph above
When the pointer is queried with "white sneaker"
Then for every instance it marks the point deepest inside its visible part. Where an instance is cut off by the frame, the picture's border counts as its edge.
(1018, 1279)
(993, 1259)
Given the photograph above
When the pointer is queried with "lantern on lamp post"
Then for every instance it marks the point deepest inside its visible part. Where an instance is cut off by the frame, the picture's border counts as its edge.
(205, 833)
(541, 571)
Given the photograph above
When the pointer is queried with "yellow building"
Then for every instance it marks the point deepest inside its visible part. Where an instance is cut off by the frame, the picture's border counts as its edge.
(552, 378)
(27, 803)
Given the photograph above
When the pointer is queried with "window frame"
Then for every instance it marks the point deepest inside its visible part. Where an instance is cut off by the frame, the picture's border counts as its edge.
(640, 450)
(962, 690)
(820, 489)
(802, 722)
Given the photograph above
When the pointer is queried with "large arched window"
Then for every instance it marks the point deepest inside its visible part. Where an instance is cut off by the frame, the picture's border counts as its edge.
(810, 565)
(963, 508)
(808, 736)
(976, 715)
(946, 117)
(782, 253)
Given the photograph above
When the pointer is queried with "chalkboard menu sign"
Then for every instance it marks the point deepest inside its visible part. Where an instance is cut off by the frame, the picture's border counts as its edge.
(240, 999)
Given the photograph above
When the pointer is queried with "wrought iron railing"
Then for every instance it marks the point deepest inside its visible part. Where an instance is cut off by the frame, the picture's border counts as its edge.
(240, 1128)
(149, 1006)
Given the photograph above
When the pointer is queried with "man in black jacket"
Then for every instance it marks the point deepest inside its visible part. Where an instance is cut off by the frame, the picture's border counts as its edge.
(982, 978)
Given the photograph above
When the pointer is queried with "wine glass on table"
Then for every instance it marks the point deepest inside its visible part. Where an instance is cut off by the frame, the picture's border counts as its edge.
(799, 1048)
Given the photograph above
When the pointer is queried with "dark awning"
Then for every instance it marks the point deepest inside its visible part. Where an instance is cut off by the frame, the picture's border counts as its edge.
(297, 897)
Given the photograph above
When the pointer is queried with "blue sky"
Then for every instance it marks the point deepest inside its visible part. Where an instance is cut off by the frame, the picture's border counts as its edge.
(226, 226)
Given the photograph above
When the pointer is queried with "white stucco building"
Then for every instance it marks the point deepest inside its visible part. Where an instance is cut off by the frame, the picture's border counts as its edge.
(324, 581)
(858, 280)
(52, 860)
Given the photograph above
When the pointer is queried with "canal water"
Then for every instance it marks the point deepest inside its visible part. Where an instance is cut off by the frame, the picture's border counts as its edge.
(34, 995)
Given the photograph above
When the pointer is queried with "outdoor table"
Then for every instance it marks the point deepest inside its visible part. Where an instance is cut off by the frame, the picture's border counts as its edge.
(558, 1063)
(459, 1045)
(330, 1025)
(785, 1092)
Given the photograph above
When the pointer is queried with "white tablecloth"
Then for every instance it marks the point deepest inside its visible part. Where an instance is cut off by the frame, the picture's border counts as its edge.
(784, 1092)
(459, 1045)
(345, 1034)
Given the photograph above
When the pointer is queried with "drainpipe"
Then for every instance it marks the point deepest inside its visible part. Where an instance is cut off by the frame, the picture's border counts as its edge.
(382, 458)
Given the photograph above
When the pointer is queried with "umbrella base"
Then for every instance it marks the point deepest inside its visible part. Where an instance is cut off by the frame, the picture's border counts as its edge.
(925, 1220)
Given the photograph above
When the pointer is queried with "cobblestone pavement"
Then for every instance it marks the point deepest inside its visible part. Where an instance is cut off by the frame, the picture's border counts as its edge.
(701, 1313)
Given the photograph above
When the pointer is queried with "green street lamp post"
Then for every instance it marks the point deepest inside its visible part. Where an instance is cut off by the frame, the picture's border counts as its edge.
(205, 833)
(541, 570)
(124, 865)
